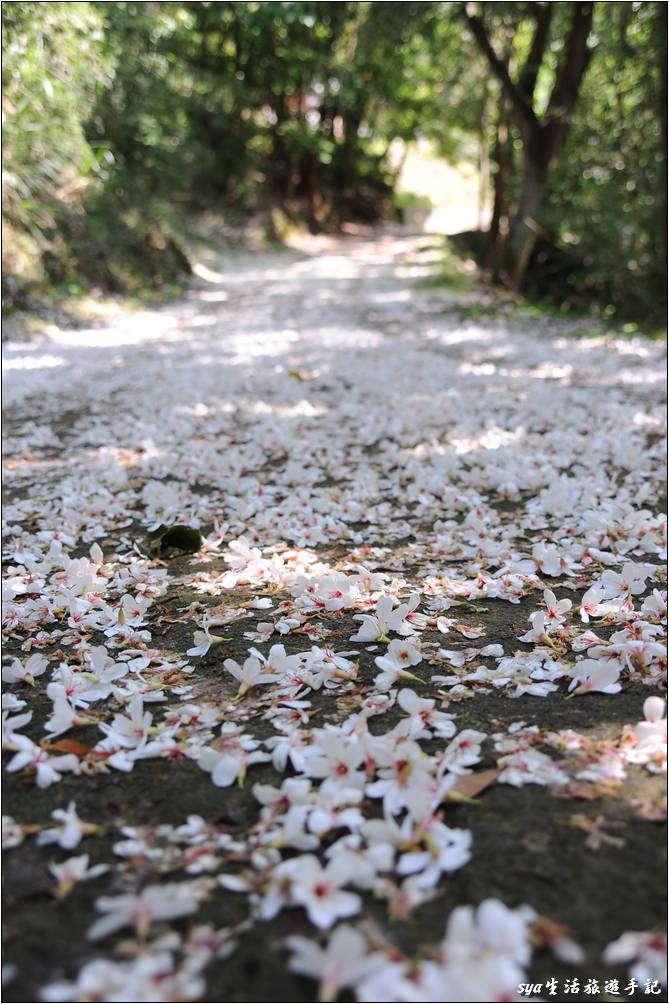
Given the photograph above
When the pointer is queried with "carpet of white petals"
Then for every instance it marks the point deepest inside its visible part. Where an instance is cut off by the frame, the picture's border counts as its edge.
(430, 582)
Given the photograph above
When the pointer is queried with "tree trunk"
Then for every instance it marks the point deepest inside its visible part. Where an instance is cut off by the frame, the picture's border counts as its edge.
(542, 136)
(662, 30)
(502, 158)
(484, 160)
(349, 148)
(525, 227)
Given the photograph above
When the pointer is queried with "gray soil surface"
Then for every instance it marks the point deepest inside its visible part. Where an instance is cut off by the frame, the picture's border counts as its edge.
(527, 847)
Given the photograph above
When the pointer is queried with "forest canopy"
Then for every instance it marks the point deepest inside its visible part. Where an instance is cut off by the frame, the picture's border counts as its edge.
(121, 119)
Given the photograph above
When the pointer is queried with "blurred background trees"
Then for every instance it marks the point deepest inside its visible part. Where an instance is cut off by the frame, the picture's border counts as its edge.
(124, 119)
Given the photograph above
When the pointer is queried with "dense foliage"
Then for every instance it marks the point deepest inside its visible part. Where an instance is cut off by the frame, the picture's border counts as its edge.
(607, 200)
(53, 65)
(120, 115)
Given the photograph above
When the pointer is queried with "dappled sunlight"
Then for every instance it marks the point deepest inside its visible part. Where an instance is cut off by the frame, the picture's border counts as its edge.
(491, 439)
(398, 296)
(206, 274)
(144, 327)
(211, 296)
(31, 362)
(321, 281)
(461, 335)
(303, 407)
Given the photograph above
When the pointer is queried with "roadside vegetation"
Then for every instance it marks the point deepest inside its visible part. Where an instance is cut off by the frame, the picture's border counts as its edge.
(124, 121)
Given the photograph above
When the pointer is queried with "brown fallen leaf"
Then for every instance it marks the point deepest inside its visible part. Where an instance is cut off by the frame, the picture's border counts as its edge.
(544, 932)
(550, 934)
(469, 631)
(70, 746)
(653, 811)
(173, 678)
(399, 901)
(470, 785)
(589, 792)
(596, 837)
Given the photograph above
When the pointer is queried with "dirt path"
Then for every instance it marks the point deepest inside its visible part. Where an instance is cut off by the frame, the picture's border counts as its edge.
(340, 431)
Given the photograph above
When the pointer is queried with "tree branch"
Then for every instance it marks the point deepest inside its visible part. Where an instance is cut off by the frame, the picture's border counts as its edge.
(520, 103)
(575, 61)
(543, 15)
